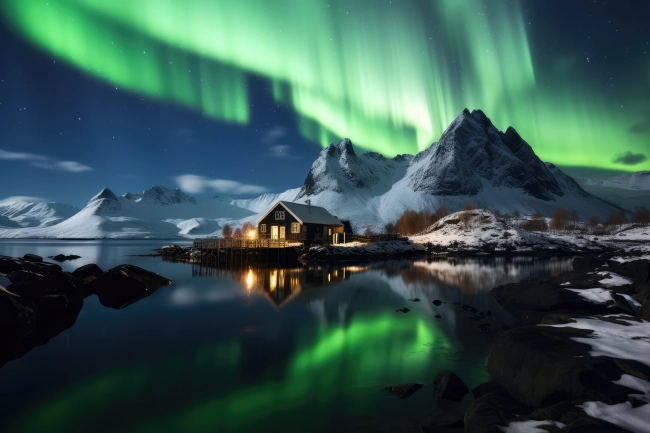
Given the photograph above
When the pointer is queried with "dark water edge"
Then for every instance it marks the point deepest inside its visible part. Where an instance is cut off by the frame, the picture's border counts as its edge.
(302, 349)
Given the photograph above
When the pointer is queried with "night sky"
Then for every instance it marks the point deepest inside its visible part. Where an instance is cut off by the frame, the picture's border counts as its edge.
(240, 96)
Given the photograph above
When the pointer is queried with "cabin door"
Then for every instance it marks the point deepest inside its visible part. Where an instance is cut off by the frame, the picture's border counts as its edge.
(274, 232)
(283, 232)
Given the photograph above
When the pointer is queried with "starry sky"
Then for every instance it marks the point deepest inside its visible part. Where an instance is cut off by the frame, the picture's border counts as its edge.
(238, 98)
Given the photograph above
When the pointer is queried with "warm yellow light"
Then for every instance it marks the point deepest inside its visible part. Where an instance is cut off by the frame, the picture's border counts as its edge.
(252, 234)
(249, 279)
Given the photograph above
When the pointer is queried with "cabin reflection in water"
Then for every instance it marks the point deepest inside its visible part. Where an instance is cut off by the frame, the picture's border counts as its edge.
(280, 285)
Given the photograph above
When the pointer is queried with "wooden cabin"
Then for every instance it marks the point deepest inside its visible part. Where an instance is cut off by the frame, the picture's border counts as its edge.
(300, 223)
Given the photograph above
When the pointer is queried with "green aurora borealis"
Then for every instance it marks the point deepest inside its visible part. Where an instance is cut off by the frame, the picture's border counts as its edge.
(390, 77)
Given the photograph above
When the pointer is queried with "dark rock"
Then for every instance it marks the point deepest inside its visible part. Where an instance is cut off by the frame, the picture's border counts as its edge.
(635, 401)
(541, 366)
(40, 302)
(437, 316)
(437, 302)
(415, 300)
(572, 416)
(633, 368)
(49, 266)
(404, 390)
(621, 304)
(557, 319)
(586, 264)
(543, 296)
(63, 258)
(487, 387)
(403, 310)
(16, 319)
(484, 328)
(491, 411)
(32, 258)
(644, 311)
(448, 386)
(88, 272)
(125, 284)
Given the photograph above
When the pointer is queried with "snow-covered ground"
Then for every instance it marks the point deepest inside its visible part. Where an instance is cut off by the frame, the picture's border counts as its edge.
(623, 342)
(478, 229)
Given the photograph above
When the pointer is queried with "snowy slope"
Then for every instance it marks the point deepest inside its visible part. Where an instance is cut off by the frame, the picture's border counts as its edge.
(6, 222)
(262, 203)
(633, 181)
(29, 214)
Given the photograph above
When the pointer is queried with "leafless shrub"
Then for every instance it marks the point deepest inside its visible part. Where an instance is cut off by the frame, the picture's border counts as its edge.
(616, 219)
(368, 231)
(641, 216)
(226, 231)
(537, 223)
(559, 219)
(237, 234)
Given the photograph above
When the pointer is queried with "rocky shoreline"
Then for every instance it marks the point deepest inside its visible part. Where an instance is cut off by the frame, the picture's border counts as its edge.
(576, 359)
(38, 300)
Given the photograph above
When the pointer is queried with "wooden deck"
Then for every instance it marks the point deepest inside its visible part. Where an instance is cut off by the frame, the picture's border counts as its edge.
(226, 244)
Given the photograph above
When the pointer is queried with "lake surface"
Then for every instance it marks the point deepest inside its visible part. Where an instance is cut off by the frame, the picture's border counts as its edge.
(249, 350)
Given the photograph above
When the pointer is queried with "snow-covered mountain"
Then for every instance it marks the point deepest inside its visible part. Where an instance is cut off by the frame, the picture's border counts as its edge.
(262, 203)
(472, 162)
(36, 214)
(158, 212)
(639, 181)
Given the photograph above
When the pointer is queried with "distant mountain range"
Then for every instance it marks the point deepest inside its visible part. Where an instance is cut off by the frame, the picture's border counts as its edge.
(473, 162)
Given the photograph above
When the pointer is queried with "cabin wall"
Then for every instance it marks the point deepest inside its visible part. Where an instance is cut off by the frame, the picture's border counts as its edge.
(270, 220)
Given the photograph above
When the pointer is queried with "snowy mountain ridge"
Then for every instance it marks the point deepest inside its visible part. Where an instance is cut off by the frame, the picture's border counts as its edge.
(473, 162)
(634, 181)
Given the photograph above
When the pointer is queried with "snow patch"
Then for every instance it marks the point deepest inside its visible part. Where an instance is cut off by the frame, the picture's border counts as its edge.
(530, 426)
(614, 280)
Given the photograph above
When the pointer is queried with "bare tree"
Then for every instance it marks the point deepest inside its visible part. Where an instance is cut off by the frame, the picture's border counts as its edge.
(389, 228)
(616, 219)
(248, 230)
(538, 223)
(593, 223)
(237, 234)
(559, 219)
(641, 216)
(573, 217)
(226, 231)
(368, 231)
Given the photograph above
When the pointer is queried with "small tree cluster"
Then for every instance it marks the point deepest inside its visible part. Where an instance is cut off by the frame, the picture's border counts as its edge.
(616, 219)
(537, 222)
(248, 230)
(226, 232)
(412, 222)
(559, 219)
(641, 216)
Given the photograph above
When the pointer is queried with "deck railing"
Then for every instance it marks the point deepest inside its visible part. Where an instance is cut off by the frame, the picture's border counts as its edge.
(217, 244)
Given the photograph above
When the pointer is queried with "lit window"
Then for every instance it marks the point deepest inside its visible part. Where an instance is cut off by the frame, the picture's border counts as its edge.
(262, 228)
(295, 227)
(279, 214)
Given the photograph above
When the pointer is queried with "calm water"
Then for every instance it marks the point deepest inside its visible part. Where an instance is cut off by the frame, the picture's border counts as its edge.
(291, 350)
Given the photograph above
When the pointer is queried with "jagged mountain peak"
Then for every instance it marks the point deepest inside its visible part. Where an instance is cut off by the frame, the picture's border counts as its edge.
(343, 148)
(105, 193)
(160, 195)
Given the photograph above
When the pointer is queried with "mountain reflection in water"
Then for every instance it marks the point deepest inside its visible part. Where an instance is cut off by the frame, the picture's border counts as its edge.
(304, 349)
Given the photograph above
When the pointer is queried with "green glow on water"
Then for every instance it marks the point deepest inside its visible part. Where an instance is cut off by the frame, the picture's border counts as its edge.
(203, 392)
(378, 74)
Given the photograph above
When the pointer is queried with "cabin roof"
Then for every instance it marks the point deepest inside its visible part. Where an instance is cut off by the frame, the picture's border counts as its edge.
(306, 214)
